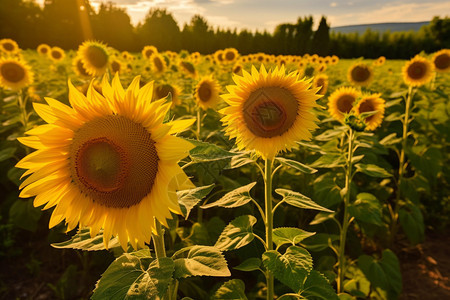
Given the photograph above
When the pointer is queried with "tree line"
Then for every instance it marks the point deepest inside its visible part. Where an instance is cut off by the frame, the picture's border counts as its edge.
(63, 22)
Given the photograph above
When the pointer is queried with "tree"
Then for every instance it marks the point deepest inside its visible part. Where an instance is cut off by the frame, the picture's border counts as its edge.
(321, 39)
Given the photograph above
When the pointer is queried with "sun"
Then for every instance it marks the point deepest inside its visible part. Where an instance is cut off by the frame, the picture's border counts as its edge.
(14, 74)
(369, 103)
(107, 162)
(360, 74)
(207, 93)
(269, 111)
(342, 101)
(95, 57)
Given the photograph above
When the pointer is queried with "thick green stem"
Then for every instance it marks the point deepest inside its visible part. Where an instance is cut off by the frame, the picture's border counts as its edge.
(269, 222)
(199, 121)
(401, 169)
(345, 219)
(160, 252)
(23, 110)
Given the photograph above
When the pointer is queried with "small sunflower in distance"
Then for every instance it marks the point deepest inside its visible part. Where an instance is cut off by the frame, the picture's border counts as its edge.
(43, 49)
(360, 74)
(116, 66)
(162, 90)
(107, 162)
(418, 71)
(230, 55)
(148, 51)
(269, 111)
(321, 81)
(95, 57)
(188, 68)
(79, 69)
(9, 46)
(441, 60)
(341, 102)
(370, 103)
(56, 54)
(207, 93)
(14, 74)
(159, 65)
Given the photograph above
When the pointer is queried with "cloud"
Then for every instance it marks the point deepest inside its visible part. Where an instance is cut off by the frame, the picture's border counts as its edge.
(333, 4)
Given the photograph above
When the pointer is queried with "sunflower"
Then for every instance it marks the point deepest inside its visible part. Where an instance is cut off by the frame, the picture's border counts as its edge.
(195, 57)
(218, 56)
(57, 54)
(321, 81)
(108, 162)
(380, 61)
(342, 101)
(116, 66)
(127, 55)
(313, 59)
(370, 103)
(334, 60)
(188, 68)
(43, 49)
(159, 65)
(321, 68)
(237, 69)
(269, 111)
(9, 46)
(148, 51)
(162, 90)
(14, 74)
(360, 74)
(78, 68)
(207, 93)
(230, 55)
(95, 57)
(441, 60)
(417, 71)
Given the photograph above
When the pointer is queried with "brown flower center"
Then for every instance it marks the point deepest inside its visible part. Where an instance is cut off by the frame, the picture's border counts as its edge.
(81, 68)
(97, 56)
(417, 70)
(114, 161)
(158, 64)
(345, 103)
(230, 55)
(360, 73)
(367, 106)
(56, 54)
(270, 111)
(115, 66)
(442, 61)
(163, 90)
(204, 92)
(188, 67)
(8, 46)
(12, 72)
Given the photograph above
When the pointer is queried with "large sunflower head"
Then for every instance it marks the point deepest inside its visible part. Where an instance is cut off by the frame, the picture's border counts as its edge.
(269, 111)
(371, 103)
(56, 54)
(14, 74)
(78, 67)
(162, 90)
(360, 74)
(418, 71)
(342, 101)
(95, 57)
(107, 162)
(207, 93)
(9, 46)
(43, 49)
(441, 60)
(159, 65)
(321, 81)
(148, 51)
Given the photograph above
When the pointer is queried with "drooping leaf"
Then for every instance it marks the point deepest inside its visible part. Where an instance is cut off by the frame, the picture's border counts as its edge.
(248, 265)
(366, 208)
(372, 170)
(296, 165)
(205, 152)
(291, 268)
(328, 161)
(237, 234)
(188, 199)
(289, 235)
(200, 261)
(135, 276)
(233, 289)
(299, 200)
(82, 240)
(235, 198)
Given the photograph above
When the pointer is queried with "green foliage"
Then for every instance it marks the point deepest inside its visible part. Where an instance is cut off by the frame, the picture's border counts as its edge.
(236, 234)
(82, 240)
(233, 289)
(235, 198)
(299, 200)
(200, 261)
(289, 235)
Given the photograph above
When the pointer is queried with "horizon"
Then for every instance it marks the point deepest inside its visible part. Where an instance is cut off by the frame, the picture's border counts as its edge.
(231, 14)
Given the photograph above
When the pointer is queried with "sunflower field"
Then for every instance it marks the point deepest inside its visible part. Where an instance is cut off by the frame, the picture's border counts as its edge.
(176, 175)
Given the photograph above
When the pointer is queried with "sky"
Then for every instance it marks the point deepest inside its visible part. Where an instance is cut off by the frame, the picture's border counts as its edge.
(266, 14)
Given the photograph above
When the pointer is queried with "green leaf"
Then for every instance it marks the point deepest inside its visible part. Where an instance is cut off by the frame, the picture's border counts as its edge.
(296, 165)
(7, 153)
(248, 265)
(329, 161)
(135, 276)
(411, 220)
(206, 152)
(320, 241)
(233, 289)
(316, 286)
(372, 170)
(237, 234)
(239, 161)
(200, 261)
(299, 200)
(290, 268)
(291, 296)
(373, 271)
(82, 240)
(289, 235)
(366, 208)
(329, 134)
(14, 175)
(391, 267)
(235, 198)
(188, 199)
(390, 140)
(24, 215)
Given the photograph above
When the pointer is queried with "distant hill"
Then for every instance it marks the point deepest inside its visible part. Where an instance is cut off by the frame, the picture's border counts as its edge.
(380, 27)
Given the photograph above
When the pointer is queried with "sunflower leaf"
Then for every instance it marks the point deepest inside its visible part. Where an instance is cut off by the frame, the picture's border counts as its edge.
(235, 198)
(237, 234)
(135, 275)
(372, 170)
(289, 235)
(296, 165)
(206, 152)
(248, 265)
(232, 289)
(82, 240)
(200, 261)
(299, 200)
(188, 199)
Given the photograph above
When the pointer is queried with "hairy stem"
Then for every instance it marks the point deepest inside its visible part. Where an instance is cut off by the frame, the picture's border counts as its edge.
(269, 221)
